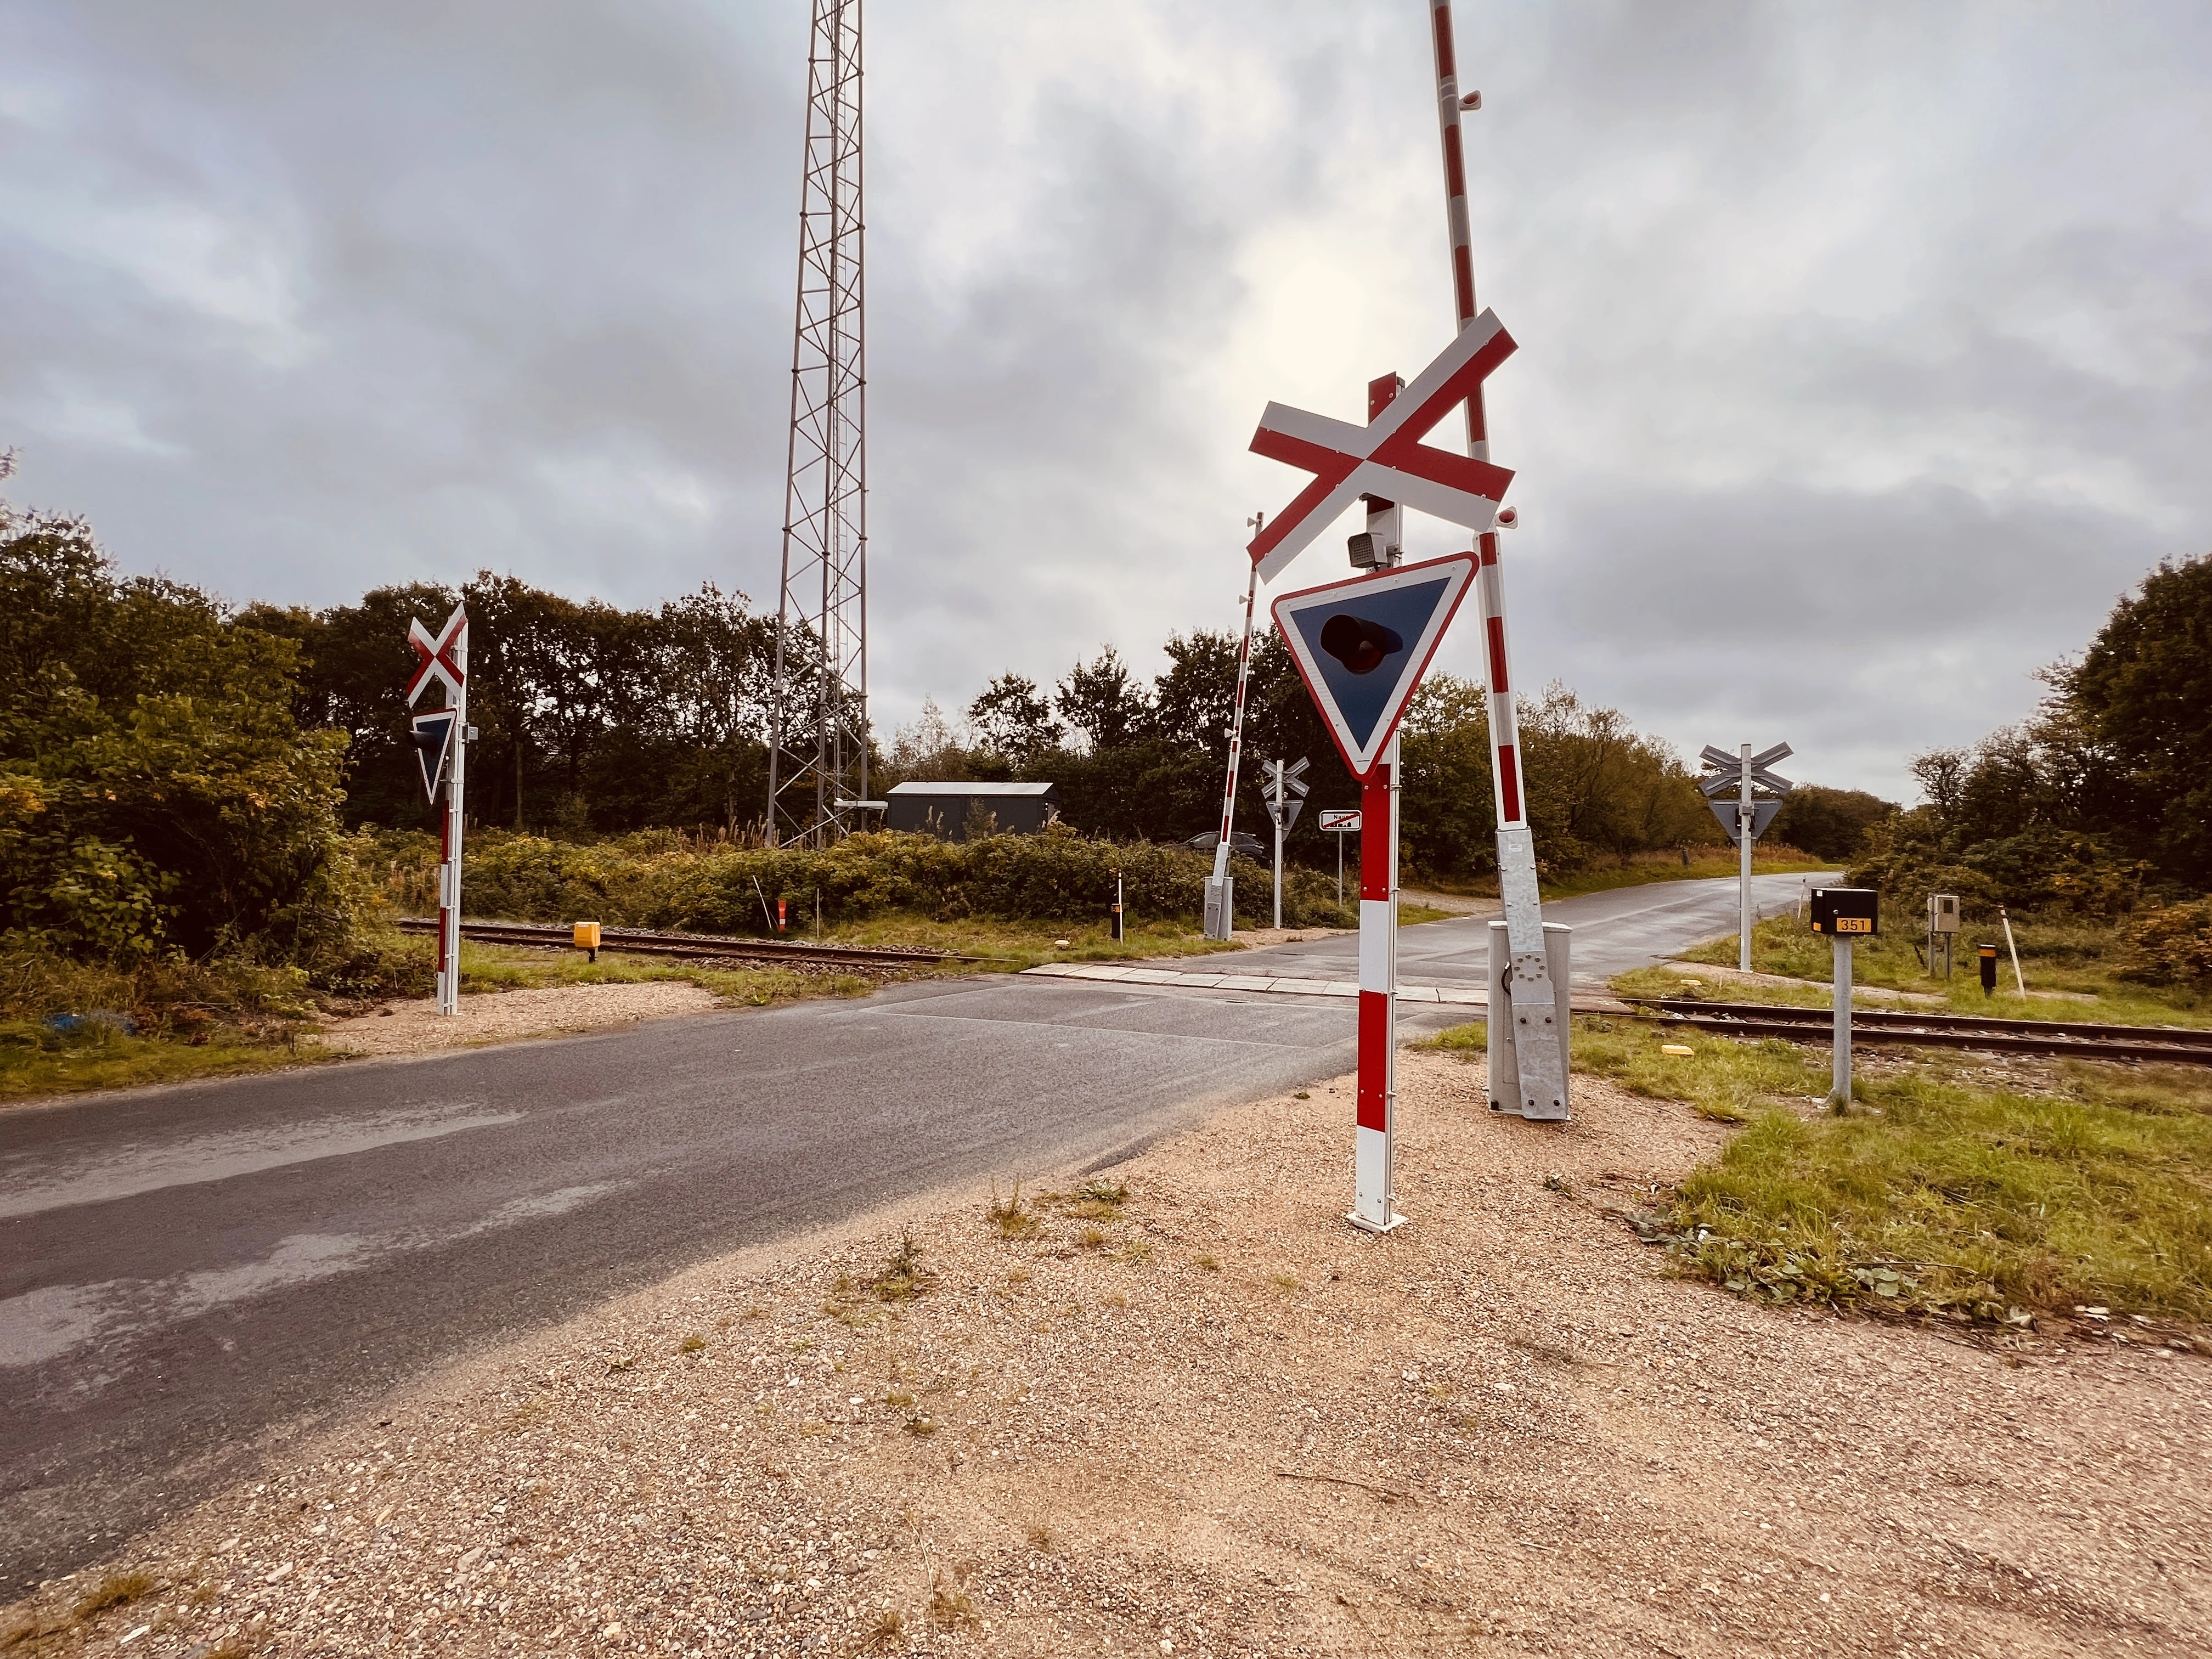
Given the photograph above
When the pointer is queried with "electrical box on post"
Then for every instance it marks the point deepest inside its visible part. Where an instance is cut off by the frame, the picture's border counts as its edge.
(1943, 912)
(1852, 912)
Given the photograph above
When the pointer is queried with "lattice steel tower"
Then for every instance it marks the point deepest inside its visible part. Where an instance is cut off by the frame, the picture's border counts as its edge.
(819, 744)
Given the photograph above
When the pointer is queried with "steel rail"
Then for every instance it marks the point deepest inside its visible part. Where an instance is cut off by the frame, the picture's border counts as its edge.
(2170, 1044)
(654, 942)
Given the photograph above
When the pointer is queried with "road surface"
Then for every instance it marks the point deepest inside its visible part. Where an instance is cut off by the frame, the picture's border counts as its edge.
(192, 1277)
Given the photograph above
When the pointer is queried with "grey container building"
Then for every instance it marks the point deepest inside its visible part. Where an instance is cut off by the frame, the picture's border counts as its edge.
(957, 812)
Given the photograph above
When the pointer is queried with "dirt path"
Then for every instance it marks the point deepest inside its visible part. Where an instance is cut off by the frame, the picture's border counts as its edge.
(417, 1027)
(1212, 1419)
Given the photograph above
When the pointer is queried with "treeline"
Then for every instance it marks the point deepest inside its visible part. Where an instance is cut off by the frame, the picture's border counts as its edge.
(591, 719)
(2098, 805)
(1147, 760)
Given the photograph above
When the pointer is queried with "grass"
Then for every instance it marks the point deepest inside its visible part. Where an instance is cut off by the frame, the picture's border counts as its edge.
(2080, 1184)
(1011, 946)
(36, 1063)
(1008, 1216)
(2068, 955)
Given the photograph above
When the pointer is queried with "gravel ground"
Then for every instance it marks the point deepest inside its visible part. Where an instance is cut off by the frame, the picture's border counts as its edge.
(1213, 1419)
(414, 1027)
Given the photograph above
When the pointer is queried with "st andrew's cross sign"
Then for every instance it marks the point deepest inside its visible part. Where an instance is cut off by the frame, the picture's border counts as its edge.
(1386, 458)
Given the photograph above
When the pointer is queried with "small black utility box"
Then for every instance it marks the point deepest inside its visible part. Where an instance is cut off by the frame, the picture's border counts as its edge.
(1854, 912)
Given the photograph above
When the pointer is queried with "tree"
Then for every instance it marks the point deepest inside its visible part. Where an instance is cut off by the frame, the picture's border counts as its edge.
(1102, 702)
(1011, 719)
(1829, 823)
(2143, 690)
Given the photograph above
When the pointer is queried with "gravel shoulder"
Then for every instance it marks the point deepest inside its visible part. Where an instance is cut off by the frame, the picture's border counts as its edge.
(417, 1027)
(1211, 1419)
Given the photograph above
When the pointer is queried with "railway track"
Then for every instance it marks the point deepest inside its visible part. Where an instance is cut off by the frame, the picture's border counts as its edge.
(721, 947)
(2165, 1044)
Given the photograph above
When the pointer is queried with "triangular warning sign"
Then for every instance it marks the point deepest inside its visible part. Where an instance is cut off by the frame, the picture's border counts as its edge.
(433, 738)
(1361, 645)
(1727, 811)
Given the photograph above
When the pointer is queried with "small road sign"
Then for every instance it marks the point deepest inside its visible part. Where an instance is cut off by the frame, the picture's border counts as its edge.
(433, 737)
(1386, 457)
(443, 657)
(1361, 645)
(1341, 822)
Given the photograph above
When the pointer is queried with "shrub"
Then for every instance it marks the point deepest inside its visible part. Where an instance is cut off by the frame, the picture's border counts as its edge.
(655, 880)
(2171, 946)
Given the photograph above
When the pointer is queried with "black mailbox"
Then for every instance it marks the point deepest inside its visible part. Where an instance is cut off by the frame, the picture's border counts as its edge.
(1850, 912)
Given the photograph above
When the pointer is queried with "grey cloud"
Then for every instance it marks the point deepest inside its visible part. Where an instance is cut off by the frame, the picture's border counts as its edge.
(1892, 318)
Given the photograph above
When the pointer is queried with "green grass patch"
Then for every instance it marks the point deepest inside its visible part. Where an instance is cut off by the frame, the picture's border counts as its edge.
(36, 1062)
(2089, 1185)
(1011, 946)
(494, 968)
(2078, 958)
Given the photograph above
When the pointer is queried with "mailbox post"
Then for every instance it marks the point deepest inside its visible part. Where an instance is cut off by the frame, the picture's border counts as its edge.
(1846, 914)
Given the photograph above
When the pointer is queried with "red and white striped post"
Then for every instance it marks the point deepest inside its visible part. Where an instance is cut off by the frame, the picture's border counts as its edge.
(1373, 1159)
(1541, 1090)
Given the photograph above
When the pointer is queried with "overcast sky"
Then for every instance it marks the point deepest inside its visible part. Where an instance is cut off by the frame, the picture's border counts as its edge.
(1863, 347)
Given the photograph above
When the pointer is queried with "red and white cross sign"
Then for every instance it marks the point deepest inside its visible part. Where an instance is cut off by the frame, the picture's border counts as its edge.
(444, 658)
(1386, 457)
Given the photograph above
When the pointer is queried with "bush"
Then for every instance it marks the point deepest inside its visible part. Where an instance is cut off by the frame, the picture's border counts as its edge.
(2170, 945)
(661, 880)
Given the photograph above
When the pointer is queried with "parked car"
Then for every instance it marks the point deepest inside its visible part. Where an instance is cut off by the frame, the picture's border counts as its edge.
(1240, 840)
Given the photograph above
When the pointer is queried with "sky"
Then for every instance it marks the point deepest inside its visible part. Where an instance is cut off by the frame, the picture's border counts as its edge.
(1865, 352)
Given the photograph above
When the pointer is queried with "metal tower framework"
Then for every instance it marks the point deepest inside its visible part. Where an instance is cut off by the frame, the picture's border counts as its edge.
(818, 747)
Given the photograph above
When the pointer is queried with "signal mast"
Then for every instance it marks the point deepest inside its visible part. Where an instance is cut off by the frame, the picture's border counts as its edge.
(817, 764)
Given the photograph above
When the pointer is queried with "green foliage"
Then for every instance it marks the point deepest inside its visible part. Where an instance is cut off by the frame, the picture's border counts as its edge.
(662, 880)
(1829, 823)
(2170, 945)
(156, 792)
(2143, 691)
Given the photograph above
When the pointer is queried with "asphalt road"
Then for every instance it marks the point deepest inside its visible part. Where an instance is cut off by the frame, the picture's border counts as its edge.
(192, 1277)
(1614, 931)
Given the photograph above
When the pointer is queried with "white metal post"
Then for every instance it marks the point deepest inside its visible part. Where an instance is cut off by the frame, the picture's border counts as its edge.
(1279, 866)
(1744, 822)
(1840, 1094)
(449, 874)
(1219, 889)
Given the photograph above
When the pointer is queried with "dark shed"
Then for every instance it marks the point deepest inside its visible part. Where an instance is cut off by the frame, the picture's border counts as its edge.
(951, 811)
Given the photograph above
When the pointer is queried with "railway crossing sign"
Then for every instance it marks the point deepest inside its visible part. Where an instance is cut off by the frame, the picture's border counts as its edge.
(433, 737)
(443, 656)
(1386, 458)
(1283, 784)
(1730, 814)
(1361, 645)
(1739, 775)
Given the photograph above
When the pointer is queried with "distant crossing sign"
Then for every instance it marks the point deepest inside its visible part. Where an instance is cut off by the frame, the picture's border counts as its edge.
(1386, 457)
(1283, 785)
(1361, 645)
